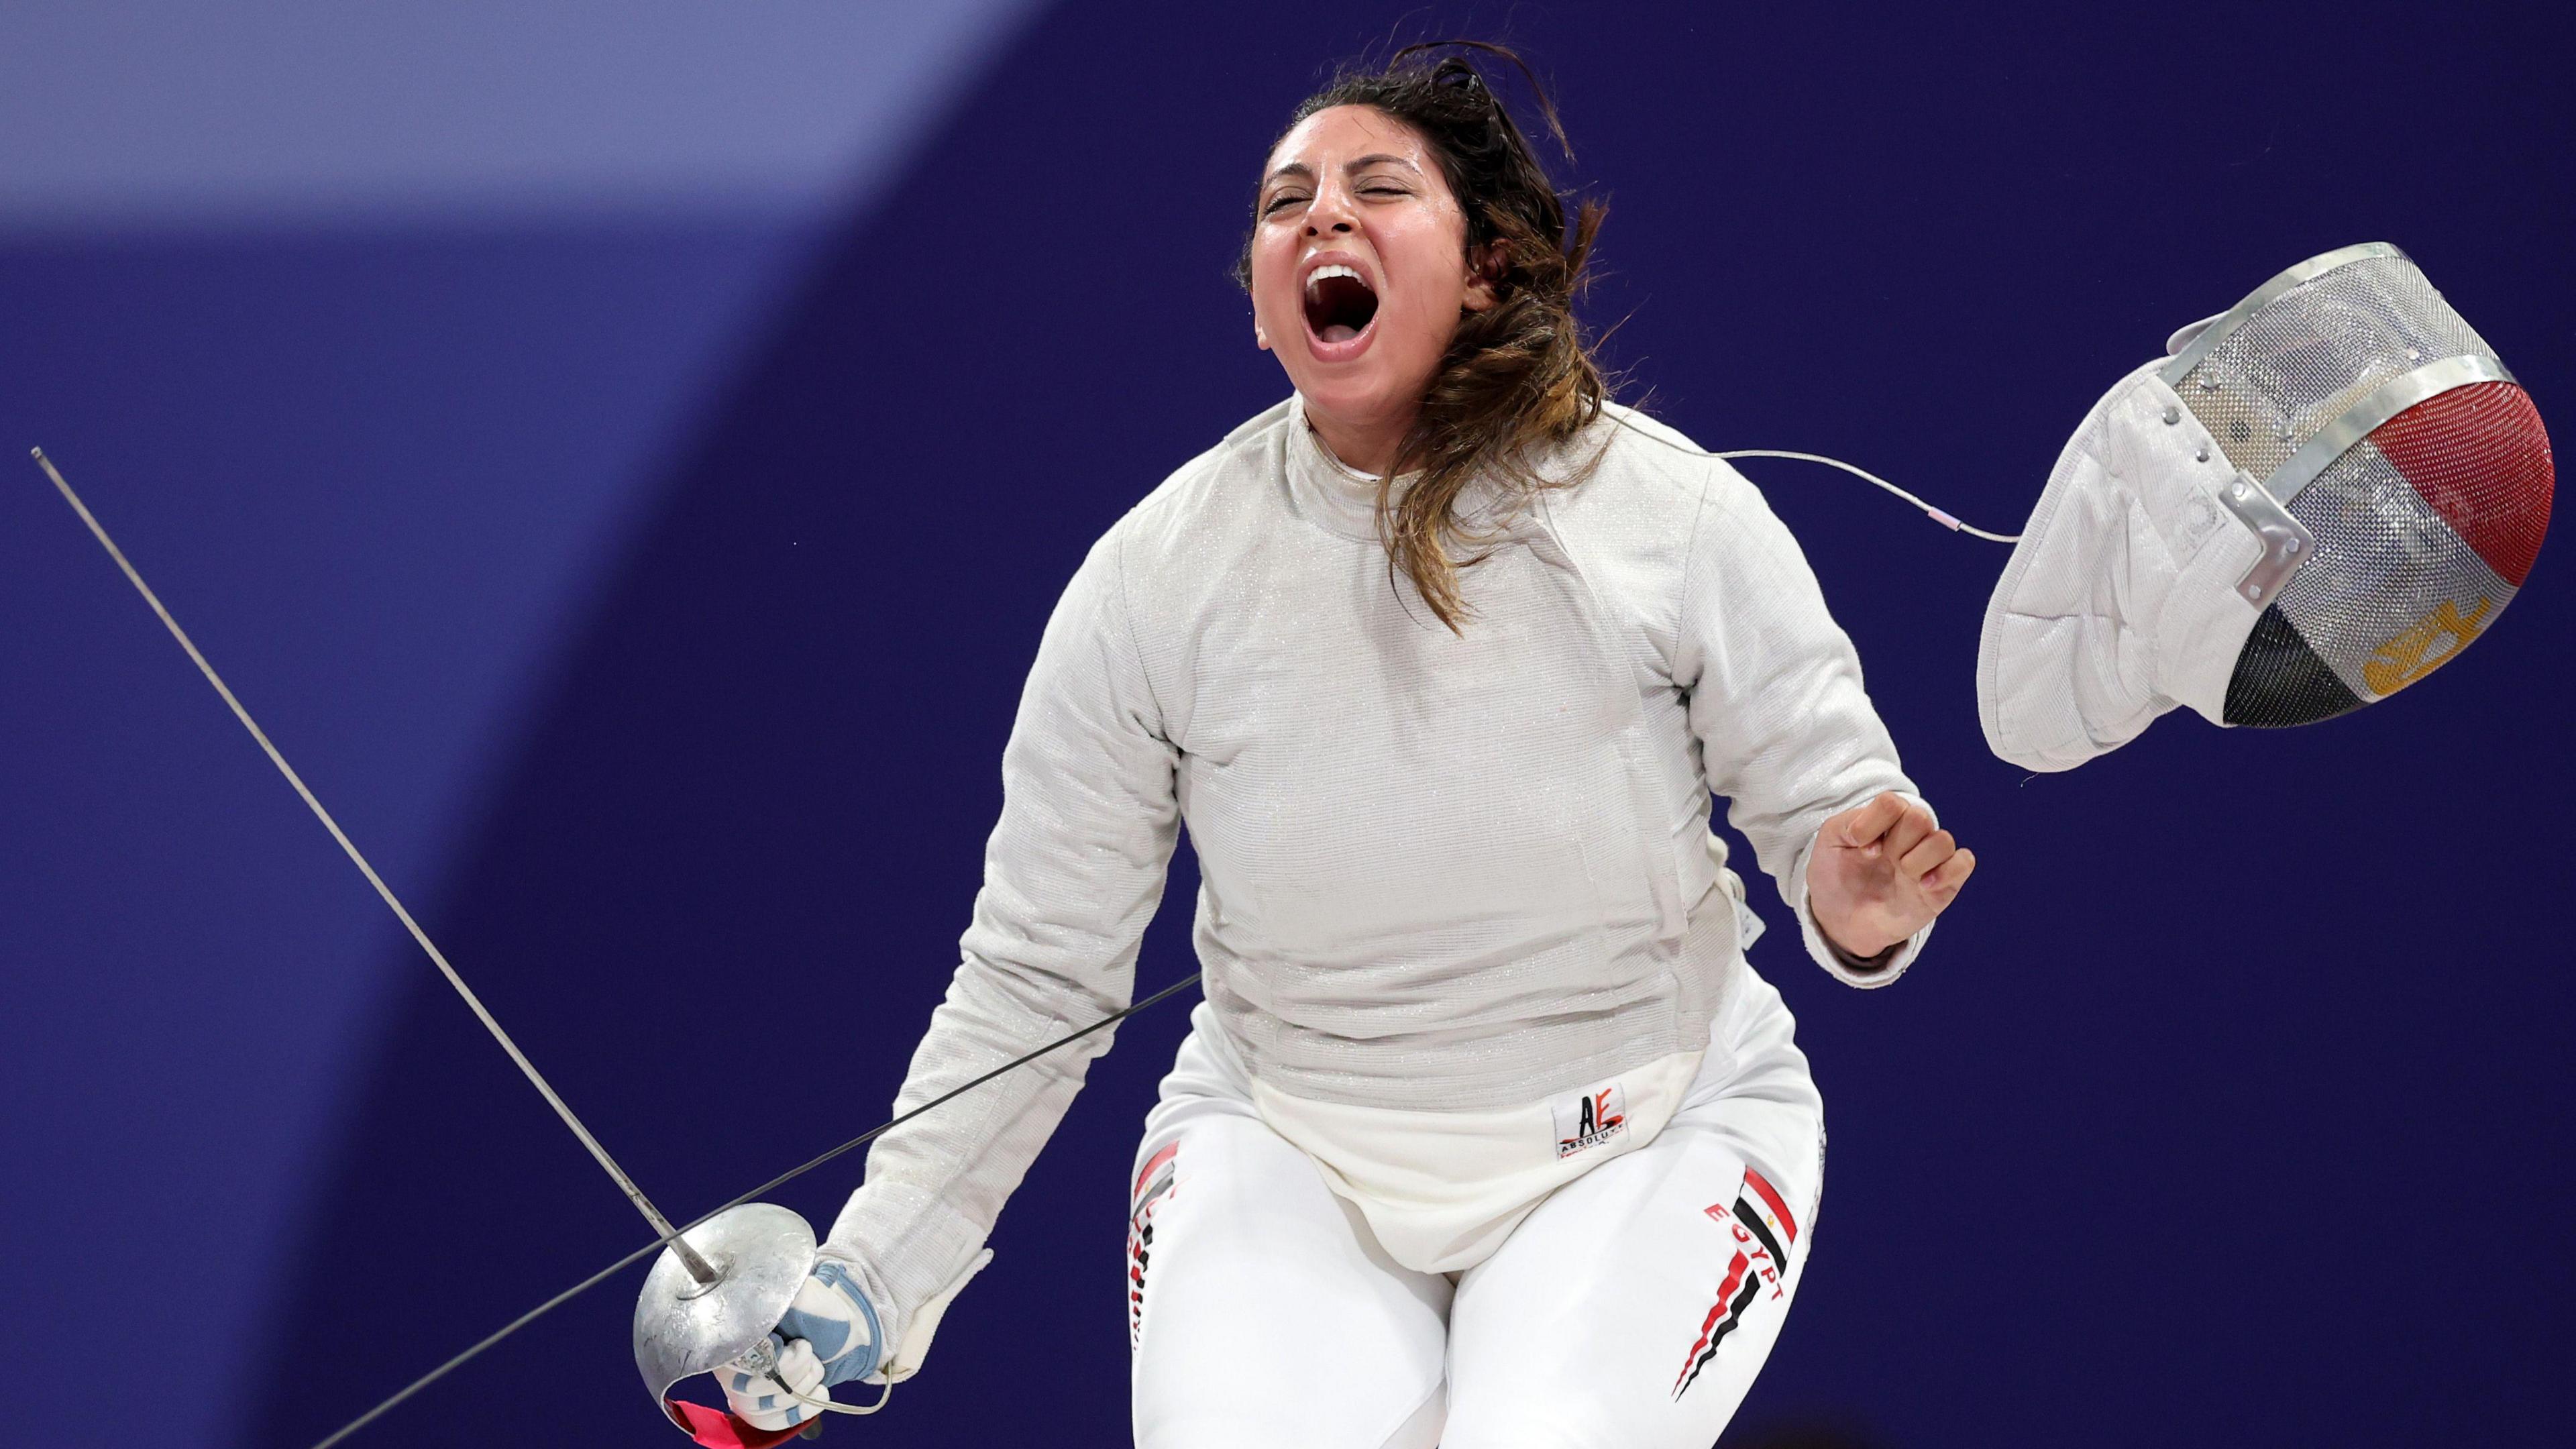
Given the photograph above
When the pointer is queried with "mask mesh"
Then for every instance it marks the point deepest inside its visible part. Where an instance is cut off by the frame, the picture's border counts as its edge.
(2280, 681)
(2422, 530)
(2315, 350)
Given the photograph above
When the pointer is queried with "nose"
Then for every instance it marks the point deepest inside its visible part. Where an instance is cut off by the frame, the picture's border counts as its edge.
(1330, 211)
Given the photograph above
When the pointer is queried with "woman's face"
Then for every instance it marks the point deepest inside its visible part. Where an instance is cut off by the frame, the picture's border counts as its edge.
(1359, 266)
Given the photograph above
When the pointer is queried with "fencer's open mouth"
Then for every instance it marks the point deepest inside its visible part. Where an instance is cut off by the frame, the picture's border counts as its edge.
(1340, 304)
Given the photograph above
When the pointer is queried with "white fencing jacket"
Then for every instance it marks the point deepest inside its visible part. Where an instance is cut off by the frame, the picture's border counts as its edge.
(1441, 873)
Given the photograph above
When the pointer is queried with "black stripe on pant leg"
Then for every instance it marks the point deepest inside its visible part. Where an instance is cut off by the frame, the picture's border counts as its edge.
(1734, 1316)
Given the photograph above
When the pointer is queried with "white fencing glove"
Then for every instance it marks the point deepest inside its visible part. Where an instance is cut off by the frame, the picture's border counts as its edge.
(830, 1335)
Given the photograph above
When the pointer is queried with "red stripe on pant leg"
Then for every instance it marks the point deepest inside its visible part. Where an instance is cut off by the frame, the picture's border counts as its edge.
(1726, 1290)
(2480, 458)
(1771, 1196)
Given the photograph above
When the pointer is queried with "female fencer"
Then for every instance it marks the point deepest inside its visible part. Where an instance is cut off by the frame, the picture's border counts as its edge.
(1487, 1134)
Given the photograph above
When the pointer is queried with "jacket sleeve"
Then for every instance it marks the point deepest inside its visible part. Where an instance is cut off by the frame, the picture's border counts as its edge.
(1072, 874)
(1786, 732)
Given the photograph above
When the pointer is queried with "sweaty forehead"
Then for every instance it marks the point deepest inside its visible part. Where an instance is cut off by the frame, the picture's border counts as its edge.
(1337, 135)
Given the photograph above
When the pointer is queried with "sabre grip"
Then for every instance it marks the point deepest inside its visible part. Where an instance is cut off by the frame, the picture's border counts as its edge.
(763, 1360)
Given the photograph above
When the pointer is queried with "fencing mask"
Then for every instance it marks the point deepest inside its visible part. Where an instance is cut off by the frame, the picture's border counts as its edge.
(2316, 499)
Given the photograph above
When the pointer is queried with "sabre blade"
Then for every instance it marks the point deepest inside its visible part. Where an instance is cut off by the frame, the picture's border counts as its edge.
(689, 1257)
(666, 1236)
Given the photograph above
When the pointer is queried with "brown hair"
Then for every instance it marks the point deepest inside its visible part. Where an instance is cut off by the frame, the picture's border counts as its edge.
(1519, 376)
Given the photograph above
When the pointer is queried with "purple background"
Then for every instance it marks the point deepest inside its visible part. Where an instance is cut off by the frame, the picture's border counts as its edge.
(633, 503)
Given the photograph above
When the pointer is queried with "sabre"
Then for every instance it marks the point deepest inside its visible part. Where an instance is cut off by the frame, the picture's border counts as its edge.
(697, 1266)
(723, 1310)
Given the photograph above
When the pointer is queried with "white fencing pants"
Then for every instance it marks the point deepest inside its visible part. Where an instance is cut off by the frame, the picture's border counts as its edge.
(1630, 1310)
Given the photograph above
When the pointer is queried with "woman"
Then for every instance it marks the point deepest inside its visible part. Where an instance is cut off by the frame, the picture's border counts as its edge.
(1486, 1133)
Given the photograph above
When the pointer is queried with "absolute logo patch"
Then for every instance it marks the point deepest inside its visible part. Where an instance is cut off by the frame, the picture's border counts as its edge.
(1589, 1119)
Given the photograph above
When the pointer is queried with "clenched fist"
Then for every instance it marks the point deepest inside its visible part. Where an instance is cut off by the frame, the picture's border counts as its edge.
(1881, 871)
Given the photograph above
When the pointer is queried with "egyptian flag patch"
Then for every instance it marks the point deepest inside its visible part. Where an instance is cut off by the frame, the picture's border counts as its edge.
(1764, 1230)
(1759, 1206)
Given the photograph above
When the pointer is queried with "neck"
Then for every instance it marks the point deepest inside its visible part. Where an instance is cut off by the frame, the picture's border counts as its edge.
(1364, 445)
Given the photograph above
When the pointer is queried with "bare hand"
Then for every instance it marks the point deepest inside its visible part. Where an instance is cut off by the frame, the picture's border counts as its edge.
(1881, 872)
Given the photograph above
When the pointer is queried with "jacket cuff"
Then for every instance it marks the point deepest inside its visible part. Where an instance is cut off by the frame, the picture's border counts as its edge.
(910, 1250)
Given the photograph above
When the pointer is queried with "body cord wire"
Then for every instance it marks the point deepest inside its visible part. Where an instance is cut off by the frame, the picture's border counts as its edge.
(1938, 516)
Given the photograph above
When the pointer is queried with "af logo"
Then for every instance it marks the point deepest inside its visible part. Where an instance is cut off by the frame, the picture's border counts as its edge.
(1590, 1119)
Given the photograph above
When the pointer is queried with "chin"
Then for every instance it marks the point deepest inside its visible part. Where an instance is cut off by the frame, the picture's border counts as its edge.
(1379, 383)
(1358, 394)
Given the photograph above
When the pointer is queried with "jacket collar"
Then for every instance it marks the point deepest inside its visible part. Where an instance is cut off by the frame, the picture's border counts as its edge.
(1344, 502)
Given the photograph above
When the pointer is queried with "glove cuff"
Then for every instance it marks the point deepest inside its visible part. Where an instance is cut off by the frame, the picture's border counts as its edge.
(859, 1360)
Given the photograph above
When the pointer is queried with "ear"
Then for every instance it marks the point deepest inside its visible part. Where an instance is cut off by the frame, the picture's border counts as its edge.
(1260, 338)
(1481, 272)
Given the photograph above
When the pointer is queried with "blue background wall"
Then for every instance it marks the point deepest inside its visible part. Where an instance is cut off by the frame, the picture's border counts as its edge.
(626, 458)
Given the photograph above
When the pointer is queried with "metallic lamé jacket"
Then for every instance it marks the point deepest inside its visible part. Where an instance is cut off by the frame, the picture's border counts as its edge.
(1440, 870)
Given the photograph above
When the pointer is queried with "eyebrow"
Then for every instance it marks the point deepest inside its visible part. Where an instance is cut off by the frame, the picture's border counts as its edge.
(1374, 158)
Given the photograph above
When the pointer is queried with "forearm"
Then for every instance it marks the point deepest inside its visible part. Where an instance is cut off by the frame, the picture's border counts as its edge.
(936, 1185)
